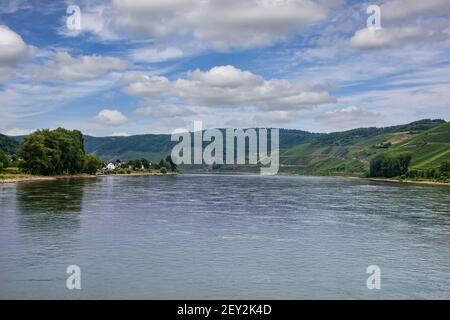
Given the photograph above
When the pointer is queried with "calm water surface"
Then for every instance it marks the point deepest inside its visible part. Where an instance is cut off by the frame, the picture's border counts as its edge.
(236, 237)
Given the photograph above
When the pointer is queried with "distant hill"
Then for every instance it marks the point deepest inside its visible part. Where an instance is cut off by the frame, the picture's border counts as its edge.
(8, 144)
(350, 152)
(347, 152)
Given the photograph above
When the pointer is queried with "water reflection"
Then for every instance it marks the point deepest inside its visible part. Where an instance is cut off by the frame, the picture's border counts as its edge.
(50, 206)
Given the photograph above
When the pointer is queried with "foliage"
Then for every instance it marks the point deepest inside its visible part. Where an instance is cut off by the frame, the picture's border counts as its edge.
(8, 145)
(54, 152)
(389, 166)
(91, 164)
(4, 160)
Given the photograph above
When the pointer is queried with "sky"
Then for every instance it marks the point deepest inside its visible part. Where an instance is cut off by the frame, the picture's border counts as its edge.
(130, 67)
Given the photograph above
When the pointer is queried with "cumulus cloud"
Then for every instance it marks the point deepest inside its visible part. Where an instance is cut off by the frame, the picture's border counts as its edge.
(140, 84)
(349, 117)
(13, 50)
(383, 38)
(220, 23)
(228, 86)
(67, 68)
(109, 117)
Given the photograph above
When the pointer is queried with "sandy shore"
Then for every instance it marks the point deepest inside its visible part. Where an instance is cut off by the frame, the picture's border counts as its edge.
(50, 178)
(45, 178)
(410, 181)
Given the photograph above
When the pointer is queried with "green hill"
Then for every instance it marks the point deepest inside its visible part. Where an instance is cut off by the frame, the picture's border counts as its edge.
(302, 152)
(350, 152)
(8, 144)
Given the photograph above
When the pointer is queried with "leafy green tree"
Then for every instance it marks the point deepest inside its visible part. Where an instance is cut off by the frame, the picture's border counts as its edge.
(390, 165)
(163, 170)
(54, 152)
(444, 168)
(91, 164)
(135, 164)
(4, 160)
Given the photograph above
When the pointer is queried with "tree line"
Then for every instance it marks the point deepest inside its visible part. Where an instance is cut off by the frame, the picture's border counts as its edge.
(397, 165)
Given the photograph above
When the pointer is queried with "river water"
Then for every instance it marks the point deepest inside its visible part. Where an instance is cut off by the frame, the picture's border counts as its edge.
(219, 236)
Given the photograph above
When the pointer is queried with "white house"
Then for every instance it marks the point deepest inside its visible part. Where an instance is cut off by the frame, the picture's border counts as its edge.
(110, 166)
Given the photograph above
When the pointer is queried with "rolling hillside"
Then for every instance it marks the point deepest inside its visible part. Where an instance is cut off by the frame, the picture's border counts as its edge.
(347, 152)
(350, 152)
(8, 144)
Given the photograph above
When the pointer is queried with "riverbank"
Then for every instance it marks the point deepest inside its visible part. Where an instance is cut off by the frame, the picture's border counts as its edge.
(12, 178)
(428, 182)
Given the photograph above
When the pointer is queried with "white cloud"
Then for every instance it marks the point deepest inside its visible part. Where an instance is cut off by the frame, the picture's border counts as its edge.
(164, 111)
(120, 134)
(12, 6)
(222, 24)
(67, 68)
(349, 117)
(405, 9)
(109, 117)
(13, 50)
(275, 117)
(152, 55)
(382, 38)
(12, 47)
(18, 132)
(227, 86)
(147, 86)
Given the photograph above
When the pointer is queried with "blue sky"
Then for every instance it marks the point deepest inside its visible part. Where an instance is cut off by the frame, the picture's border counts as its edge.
(153, 66)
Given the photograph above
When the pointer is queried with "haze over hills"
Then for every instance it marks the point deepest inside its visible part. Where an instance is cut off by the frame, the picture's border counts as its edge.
(347, 152)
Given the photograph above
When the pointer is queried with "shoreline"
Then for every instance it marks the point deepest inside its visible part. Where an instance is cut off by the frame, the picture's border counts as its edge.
(52, 178)
(428, 182)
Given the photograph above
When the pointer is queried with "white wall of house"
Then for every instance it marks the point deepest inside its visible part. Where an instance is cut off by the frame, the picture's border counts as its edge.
(110, 166)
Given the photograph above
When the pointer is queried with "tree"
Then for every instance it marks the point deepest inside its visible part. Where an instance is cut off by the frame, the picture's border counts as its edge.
(135, 164)
(163, 170)
(91, 164)
(390, 165)
(375, 166)
(172, 165)
(4, 160)
(54, 152)
(444, 168)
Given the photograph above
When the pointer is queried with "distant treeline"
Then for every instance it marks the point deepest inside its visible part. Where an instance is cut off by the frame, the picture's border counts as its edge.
(389, 166)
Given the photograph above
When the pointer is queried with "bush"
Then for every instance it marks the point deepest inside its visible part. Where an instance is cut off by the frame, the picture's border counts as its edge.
(163, 170)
